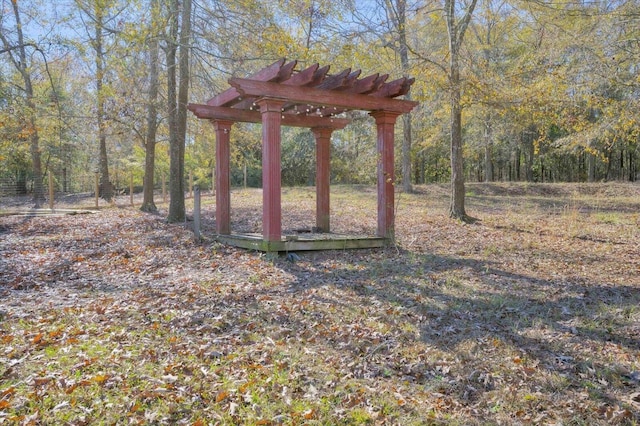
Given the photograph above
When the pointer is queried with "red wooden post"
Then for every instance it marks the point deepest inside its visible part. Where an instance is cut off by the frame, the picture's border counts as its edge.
(222, 171)
(271, 111)
(385, 122)
(323, 177)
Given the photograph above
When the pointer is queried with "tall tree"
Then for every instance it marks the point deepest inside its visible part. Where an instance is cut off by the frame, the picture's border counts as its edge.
(148, 204)
(98, 14)
(105, 183)
(456, 28)
(403, 49)
(17, 51)
(178, 106)
(176, 184)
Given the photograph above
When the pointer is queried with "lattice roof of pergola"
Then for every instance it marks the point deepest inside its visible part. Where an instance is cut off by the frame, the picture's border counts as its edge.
(312, 97)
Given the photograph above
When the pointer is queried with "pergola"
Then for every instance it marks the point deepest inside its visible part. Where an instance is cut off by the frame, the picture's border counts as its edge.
(280, 95)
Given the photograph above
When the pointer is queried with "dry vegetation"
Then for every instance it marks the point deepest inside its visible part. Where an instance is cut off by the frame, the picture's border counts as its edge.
(530, 316)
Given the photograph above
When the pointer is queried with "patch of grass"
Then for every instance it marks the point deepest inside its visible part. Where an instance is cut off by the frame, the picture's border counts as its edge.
(611, 218)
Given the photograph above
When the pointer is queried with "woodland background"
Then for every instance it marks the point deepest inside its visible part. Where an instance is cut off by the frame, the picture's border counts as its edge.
(549, 90)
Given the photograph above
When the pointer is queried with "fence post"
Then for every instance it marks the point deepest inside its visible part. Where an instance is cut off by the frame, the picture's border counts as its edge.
(131, 188)
(196, 212)
(50, 190)
(97, 188)
(213, 181)
(190, 184)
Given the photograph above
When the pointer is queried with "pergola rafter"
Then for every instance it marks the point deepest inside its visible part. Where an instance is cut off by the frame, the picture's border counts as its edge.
(279, 95)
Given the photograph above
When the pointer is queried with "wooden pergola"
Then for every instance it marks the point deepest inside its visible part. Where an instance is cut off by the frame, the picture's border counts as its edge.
(279, 95)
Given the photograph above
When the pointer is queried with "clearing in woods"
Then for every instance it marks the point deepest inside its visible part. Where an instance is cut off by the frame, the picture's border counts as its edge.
(530, 316)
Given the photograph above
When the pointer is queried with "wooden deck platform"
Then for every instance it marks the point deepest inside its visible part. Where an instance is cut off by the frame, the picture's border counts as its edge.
(302, 242)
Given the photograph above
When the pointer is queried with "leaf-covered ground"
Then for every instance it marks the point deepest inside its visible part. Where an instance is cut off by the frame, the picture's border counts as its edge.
(530, 316)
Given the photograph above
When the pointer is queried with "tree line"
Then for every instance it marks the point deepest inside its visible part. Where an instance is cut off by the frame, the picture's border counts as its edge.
(508, 90)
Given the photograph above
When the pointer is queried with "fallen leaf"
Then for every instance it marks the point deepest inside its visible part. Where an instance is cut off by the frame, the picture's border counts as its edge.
(7, 392)
(101, 378)
(41, 381)
(221, 396)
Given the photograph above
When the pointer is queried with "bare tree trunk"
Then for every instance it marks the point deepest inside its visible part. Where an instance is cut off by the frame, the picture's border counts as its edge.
(178, 109)
(528, 152)
(21, 65)
(105, 185)
(487, 40)
(488, 163)
(456, 32)
(406, 151)
(183, 84)
(401, 7)
(488, 148)
(456, 207)
(176, 178)
(34, 148)
(591, 167)
(148, 205)
(418, 168)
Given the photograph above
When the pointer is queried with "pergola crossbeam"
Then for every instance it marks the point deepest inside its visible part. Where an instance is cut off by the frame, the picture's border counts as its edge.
(246, 116)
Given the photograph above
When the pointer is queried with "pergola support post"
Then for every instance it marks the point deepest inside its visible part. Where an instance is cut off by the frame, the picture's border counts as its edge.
(222, 172)
(271, 111)
(323, 177)
(385, 122)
